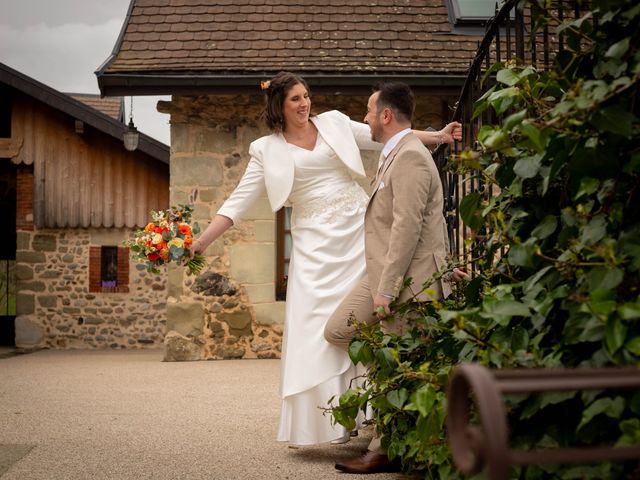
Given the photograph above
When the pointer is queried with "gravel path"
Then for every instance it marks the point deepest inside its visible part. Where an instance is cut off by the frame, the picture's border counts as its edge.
(127, 415)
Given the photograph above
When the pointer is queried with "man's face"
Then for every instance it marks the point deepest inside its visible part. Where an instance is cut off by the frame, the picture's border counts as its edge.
(373, 118)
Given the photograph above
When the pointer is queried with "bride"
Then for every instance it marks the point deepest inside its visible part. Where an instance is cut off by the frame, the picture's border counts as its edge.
(310, 164)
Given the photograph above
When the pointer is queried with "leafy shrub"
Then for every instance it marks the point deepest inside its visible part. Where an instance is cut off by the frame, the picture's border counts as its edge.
(558, 268)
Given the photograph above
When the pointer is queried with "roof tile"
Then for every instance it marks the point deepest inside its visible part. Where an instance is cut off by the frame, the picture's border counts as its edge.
(112, 106)
(215, 36)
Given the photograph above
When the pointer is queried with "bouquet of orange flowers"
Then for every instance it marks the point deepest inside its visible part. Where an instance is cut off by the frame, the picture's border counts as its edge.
(166, 239)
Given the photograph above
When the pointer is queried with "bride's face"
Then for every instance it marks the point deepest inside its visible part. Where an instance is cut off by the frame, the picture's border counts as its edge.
(296, 106)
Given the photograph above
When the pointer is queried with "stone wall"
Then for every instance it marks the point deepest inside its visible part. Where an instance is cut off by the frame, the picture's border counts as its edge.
(55, 308)
(230, 310)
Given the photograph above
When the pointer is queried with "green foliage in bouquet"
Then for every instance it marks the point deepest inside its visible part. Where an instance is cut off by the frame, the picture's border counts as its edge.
(558, 279)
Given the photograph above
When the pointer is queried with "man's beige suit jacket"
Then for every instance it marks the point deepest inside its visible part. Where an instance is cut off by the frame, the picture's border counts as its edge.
(405, 230)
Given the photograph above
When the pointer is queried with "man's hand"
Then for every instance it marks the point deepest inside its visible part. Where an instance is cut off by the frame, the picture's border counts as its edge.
(459, 275)
(453, 131)
(381, 306)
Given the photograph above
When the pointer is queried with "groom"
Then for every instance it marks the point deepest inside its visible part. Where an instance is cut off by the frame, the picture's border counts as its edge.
(405, 234)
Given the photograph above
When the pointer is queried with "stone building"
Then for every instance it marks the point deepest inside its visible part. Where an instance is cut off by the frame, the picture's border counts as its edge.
(211, 56)
(71, 194)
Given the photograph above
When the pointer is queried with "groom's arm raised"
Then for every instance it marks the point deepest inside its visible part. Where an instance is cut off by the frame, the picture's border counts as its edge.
(452, 131)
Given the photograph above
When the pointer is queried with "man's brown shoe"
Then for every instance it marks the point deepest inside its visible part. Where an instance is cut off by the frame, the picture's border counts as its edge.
(370, 462)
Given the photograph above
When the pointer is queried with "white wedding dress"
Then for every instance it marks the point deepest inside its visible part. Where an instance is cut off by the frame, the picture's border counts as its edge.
(327, 261)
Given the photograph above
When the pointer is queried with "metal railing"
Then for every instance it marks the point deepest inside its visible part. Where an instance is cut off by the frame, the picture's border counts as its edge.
(510, 36)
(486, 446)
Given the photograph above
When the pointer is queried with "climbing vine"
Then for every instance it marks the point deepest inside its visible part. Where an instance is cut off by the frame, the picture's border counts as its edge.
(558, 259)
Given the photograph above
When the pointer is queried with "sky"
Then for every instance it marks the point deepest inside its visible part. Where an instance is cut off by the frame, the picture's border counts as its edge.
(61, 43)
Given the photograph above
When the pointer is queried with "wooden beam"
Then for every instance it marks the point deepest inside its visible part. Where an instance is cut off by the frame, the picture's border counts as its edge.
(10, 147)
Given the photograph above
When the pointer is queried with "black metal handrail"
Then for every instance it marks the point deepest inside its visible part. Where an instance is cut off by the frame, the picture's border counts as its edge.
(505, 39)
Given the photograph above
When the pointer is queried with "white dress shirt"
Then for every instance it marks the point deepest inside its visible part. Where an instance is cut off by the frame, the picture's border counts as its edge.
(392, 142)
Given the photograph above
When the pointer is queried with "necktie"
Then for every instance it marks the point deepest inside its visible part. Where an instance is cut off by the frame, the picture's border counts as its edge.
(381, 162)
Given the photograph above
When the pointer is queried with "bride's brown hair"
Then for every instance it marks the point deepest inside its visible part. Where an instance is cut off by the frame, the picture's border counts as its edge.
(276, 90)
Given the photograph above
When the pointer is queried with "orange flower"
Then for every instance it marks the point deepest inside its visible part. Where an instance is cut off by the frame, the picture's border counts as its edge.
(188, 240)
(184, 229)
(150, 227)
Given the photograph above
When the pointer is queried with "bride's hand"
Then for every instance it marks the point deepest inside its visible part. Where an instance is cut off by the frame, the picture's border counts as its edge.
(195, 248)
(192, 251)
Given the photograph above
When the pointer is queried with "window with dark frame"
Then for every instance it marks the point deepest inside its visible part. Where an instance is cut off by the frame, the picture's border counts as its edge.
(283, 251)
(108, 269)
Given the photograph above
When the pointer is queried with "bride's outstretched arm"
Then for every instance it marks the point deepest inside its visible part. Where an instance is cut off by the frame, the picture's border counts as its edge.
(451, 132)
(249, 189)
(217, 227)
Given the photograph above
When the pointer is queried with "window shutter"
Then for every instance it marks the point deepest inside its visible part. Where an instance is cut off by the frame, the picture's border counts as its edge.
(95, 254)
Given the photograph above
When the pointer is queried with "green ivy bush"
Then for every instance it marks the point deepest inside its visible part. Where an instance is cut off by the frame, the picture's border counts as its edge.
(558, 265)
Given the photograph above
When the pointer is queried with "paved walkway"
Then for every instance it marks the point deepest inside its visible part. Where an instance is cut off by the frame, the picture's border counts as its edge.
(68, 415)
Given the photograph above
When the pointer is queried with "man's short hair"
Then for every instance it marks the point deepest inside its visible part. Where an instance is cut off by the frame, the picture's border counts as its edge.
(398, 97)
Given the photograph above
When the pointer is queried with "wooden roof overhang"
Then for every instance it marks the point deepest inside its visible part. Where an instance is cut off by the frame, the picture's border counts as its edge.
(79, 111)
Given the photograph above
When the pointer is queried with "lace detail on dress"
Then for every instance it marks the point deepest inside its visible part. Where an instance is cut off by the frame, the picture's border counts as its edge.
(348, 201)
